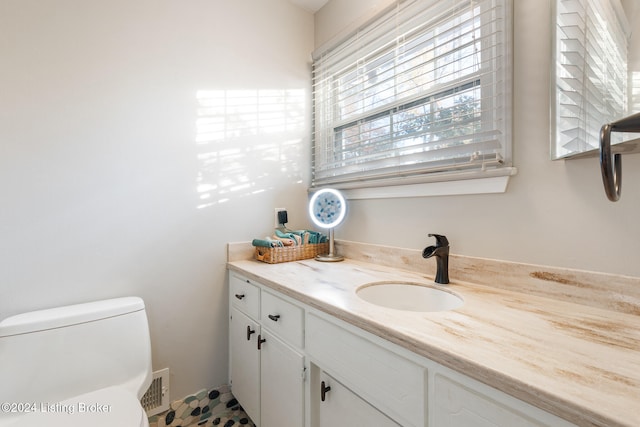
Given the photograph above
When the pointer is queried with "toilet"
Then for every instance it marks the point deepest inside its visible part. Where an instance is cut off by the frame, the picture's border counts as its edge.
(79, 365)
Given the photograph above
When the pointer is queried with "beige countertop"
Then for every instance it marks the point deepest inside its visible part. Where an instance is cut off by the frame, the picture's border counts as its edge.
(578, 362)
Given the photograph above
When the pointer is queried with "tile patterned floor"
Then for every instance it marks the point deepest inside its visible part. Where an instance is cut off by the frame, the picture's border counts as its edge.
(229, 418)
(215, 407)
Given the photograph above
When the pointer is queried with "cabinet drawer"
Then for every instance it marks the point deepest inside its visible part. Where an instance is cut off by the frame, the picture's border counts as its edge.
(245, 296)
(283, 319)
(388, 381)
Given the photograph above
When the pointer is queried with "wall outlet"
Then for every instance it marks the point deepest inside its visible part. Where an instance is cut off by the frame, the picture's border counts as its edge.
(276, 222)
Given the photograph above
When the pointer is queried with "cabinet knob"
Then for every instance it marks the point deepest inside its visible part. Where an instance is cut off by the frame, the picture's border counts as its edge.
(249, 332)
(323, 390)
(274, 317)
(239, 296)
(260, 342)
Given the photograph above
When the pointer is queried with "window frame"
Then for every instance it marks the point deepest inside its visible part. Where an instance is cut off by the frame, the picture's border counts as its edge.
(583, 78)
(485, 167)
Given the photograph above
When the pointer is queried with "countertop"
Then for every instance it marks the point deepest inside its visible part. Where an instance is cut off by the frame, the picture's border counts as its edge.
(578, 362)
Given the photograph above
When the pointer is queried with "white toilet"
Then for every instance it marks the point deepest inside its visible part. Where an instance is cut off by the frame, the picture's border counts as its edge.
(79, 365)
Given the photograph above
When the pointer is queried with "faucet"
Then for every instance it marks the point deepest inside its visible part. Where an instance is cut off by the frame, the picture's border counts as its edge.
(441, 252)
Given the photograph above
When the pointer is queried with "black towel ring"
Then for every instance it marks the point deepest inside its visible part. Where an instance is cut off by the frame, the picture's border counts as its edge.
(611, 164)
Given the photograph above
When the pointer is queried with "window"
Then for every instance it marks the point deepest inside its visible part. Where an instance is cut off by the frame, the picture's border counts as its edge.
(590, 72)
(422, 93)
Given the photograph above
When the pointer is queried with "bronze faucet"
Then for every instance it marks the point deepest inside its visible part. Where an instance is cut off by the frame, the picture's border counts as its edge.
(441, 252)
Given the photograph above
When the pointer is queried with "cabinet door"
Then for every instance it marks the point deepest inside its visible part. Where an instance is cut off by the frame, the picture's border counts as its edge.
(342, 408)
(456, 405)
(245, 362)
(282, 384)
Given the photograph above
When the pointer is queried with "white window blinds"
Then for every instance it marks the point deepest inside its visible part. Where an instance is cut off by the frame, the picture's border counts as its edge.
(423, 89)
(591, 72)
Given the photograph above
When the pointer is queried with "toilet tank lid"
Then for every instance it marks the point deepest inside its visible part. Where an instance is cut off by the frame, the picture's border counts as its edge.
(60, 317)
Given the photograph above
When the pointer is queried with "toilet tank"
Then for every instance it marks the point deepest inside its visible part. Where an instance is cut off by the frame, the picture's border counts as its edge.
(51, 355)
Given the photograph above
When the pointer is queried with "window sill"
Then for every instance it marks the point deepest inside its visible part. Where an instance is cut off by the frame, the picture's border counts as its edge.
(481, 182)
(625, 147)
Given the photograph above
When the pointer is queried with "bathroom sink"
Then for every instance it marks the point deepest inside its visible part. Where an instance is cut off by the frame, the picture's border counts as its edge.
(409, 296)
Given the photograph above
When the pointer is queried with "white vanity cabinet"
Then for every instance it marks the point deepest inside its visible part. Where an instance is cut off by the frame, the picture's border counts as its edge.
(267, 367)
(355, 377)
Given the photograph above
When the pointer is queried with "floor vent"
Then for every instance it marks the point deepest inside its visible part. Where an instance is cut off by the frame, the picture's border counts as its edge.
(156, 399)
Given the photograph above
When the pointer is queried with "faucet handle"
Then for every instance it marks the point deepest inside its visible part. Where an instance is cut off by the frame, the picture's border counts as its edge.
(441, 240)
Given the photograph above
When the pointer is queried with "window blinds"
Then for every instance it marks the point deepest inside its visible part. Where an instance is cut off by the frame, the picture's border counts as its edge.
(591, 71)
(423, 89)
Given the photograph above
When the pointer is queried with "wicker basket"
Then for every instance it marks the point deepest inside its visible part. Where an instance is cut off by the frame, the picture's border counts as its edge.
(290, 253)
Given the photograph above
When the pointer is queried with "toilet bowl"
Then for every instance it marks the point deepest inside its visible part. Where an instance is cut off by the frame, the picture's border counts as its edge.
(89, 409)
(80, 365)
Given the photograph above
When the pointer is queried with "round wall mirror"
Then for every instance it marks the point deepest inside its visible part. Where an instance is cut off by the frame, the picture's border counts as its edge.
(327, 209)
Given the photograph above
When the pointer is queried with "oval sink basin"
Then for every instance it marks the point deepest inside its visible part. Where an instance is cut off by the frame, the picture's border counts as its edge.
(409, 296)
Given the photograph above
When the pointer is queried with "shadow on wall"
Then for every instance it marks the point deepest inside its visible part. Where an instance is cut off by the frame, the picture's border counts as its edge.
(248, 141)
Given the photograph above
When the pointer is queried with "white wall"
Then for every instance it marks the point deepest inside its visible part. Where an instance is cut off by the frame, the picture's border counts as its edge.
(99, 166)
(553, 213)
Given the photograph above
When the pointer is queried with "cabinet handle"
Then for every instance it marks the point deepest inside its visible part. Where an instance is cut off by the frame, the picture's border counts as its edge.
(239, 296)
(249, 332)
(274, 317)
(260, 342)
(323, 391)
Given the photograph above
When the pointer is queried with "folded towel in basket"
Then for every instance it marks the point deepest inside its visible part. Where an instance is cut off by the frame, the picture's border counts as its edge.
(267, 243)
(285, 241)
(315, 237)
(290, 238)
(303, 237)
(297, 240)
(303, 234)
